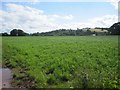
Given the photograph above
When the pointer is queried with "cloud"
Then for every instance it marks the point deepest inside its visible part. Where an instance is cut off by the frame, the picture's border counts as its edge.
(69, 17)
(104, 21)
(34, 20)
(24, 9)
(65, 17)
(29, 19)
(32, 1)
(119, 11)
(114, 3)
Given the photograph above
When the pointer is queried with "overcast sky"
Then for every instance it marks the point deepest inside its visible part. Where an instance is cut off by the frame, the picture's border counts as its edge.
(47, 16)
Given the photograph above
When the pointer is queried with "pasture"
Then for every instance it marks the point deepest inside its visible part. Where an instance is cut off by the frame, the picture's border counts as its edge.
(62, 61)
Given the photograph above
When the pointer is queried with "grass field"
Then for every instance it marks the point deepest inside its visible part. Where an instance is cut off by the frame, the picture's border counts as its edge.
(63, 62)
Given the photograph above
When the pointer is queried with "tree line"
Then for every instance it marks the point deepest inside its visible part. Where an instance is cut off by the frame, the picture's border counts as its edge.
(113, 30)
(15, 32)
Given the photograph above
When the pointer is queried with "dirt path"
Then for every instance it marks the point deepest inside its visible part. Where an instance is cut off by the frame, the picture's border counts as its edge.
(5, 78)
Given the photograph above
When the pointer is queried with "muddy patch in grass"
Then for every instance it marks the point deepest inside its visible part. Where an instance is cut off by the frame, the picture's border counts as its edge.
(6, 78)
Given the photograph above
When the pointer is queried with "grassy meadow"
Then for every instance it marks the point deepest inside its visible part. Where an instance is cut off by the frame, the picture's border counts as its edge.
(62, 61)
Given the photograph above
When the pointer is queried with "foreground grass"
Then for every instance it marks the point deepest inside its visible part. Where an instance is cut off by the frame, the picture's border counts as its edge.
(85, 61)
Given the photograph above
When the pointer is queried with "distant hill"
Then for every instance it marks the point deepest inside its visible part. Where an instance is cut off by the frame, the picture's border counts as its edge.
(78, 32)
(113, 30)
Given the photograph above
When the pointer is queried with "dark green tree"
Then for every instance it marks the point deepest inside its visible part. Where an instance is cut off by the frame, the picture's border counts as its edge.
(115, 29)
(5, 34)
(14, 32)
(17, 32)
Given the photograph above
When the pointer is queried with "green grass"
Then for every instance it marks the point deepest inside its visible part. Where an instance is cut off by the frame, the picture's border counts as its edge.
(63, 62)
